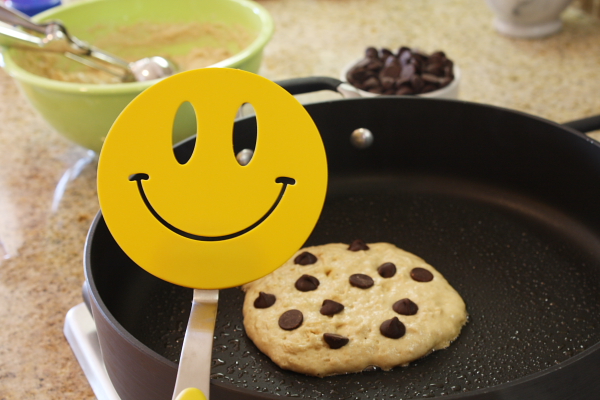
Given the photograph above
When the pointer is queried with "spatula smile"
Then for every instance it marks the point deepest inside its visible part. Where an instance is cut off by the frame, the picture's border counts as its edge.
(285, 181)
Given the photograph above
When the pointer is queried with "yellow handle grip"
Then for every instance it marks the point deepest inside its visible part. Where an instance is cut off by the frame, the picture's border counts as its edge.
(191, 394)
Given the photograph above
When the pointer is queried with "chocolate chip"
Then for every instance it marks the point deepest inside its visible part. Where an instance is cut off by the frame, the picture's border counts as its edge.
(430, 78)
(405, 307)
(391, 68)
(417, 83)
(361, 281)
(371, 83)
(421, 58)
(429, 88)
(407, 72)
(305, 258)
(358, 245)
(421, 275)
(403, 82)
(371, 52)
(392, 328)
(373, 66)
(331, 307)
(264, 300)
(438, 55)
(445, 81)
(387, 270)
(404, 55)
(405, 90)
(335, 341)
(435, 68)
(448, 70)
(306, 283)
(290, 320)
(385, 53)
(387, 82)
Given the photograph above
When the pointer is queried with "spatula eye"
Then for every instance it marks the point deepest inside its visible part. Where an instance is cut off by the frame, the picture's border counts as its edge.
(245, 134)
(185, 116)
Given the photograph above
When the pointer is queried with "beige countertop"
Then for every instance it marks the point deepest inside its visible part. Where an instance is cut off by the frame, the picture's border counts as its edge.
(42, 233)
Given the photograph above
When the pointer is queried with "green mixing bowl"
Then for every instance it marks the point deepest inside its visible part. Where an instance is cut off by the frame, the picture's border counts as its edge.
(84, 113)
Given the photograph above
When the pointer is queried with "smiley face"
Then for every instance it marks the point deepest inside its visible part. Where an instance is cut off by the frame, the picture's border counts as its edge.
(210, 222)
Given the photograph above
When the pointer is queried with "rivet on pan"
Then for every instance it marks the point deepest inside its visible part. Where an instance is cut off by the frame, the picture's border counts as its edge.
(361, 138)
(244, 156)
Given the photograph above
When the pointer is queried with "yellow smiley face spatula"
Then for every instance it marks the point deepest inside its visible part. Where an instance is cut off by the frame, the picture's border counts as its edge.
(211, 223)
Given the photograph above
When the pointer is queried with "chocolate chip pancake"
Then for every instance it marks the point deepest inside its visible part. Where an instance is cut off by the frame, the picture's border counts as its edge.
(338, 308)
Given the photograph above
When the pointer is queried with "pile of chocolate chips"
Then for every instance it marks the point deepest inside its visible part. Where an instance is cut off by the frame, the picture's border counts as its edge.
(405, 73)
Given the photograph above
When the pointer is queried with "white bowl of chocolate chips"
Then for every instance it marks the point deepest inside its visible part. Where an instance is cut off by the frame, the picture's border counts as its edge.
(408, 72)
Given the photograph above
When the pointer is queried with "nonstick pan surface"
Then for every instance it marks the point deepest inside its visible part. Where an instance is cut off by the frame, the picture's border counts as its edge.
(503, 204)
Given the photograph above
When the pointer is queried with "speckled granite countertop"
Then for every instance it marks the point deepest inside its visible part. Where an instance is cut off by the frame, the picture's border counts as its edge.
(42, 236)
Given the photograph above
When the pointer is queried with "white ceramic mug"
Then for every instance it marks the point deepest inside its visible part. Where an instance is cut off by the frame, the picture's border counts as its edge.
(528, 18)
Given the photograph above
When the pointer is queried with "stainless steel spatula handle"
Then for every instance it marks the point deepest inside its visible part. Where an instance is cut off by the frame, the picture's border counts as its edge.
(196, 354)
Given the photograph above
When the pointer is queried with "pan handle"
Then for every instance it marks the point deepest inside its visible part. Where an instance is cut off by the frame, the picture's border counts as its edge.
(309, 84)
(85, 293)
(585, 125)
(316, 83)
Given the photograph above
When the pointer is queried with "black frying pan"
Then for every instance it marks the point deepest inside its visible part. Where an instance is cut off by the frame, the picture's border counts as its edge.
(505, 205)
